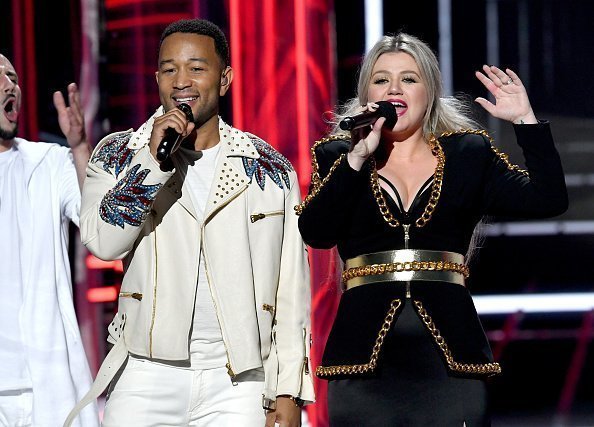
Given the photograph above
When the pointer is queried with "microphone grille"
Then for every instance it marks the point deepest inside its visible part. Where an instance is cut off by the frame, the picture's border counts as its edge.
(387, 110)
(187, 110)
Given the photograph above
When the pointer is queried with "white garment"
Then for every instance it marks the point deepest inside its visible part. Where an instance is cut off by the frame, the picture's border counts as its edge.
(150, 394)
(50, 337)
(14, 374)
(258, 270)
(207, 349)
(16, 408)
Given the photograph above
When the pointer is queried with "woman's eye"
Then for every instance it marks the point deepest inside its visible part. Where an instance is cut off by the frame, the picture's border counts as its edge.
(380, 81)
(409, 80)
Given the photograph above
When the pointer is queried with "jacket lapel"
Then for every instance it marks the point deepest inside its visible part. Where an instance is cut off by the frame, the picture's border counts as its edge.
(174, 186)
(179, 192)
(230, 177)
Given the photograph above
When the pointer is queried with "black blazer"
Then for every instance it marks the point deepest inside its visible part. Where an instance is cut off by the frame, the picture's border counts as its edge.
(342, 211)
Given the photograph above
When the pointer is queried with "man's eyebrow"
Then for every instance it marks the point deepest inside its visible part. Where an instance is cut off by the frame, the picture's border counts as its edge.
(170, 61)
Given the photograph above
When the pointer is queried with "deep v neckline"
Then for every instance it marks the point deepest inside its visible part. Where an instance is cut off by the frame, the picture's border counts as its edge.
(398, 201)
(425, 217)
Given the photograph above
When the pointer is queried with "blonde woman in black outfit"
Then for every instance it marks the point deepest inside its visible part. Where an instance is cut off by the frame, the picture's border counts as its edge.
(407, 347)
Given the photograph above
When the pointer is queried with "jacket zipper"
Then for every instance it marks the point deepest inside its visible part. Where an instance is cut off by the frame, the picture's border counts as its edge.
(406, 228)
(135, 295)
(228, 364)
(206, 218)
(154, 291)
(259, 216)
(305, 358)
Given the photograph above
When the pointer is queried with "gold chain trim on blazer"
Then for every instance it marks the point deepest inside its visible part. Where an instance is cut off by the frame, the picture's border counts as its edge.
(316, 182)
(391, 267)
(437, 151)
(467, 368)
(502, 156)
(328, 371)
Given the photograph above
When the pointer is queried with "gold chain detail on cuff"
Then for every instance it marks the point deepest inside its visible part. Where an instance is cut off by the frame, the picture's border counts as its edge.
(466, 368)
(502, 156)
(391, 267)
(316, 182)
(435, 188)
(328, 371)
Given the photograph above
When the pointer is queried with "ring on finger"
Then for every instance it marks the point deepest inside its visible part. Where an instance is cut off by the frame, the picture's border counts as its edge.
(510, 81)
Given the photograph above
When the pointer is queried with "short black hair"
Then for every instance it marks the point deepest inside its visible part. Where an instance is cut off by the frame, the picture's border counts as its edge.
(201, 27)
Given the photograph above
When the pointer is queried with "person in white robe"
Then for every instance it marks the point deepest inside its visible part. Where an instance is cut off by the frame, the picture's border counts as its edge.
(43, 366)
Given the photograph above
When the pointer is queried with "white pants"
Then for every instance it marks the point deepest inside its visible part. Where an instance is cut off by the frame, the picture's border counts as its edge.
(16, 408)
(153, 394)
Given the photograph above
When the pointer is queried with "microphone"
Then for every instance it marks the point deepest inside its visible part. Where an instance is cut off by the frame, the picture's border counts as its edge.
(385, 109)
(172, 139)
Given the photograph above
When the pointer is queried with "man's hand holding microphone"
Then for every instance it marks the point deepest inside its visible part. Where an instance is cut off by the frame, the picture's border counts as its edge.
(169, 130)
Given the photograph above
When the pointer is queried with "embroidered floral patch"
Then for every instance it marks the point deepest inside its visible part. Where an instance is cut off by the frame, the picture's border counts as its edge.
(129, 201)
(270, 163)
(114, 154)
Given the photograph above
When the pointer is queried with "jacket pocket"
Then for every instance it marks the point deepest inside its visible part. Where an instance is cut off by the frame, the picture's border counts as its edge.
(258, 216)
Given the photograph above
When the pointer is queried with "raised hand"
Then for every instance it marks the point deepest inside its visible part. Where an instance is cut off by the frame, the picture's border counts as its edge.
(72, 124)
(511, 99)
(71, 117)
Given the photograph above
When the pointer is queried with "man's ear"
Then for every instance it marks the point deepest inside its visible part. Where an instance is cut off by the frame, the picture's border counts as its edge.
(226, 79)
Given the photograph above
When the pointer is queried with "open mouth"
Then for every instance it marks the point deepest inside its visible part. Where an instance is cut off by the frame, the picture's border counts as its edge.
(400, 106)
(185, 99)
(10, 110)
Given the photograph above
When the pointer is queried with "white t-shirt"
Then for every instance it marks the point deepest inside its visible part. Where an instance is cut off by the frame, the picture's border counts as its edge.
(14, 374)
(207, 349)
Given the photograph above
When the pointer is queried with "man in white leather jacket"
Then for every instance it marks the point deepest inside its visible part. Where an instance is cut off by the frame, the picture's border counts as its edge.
(213, 318)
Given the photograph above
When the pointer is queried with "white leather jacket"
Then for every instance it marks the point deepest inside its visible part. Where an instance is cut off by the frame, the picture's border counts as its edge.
(255, 258)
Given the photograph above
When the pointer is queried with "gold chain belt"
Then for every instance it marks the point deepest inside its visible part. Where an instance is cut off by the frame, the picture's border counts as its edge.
(405, 265)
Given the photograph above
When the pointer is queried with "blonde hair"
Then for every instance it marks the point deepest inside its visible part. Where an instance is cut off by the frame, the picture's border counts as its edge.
(444, 114)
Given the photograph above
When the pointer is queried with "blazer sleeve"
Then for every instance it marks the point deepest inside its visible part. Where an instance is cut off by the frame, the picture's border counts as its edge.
(327, 209)
(540, 191)
(292, 320)
(118, 193)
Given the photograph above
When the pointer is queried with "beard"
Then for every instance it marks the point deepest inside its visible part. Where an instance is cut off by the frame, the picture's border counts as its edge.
(8, 134)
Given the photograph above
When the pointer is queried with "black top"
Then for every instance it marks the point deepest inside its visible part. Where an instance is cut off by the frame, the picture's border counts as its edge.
(477, 181)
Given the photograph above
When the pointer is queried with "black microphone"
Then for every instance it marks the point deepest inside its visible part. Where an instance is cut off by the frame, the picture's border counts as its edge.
(172, 139)
(385, 109)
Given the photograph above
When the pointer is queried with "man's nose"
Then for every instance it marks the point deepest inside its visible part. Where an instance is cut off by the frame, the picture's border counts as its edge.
(181, 80)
